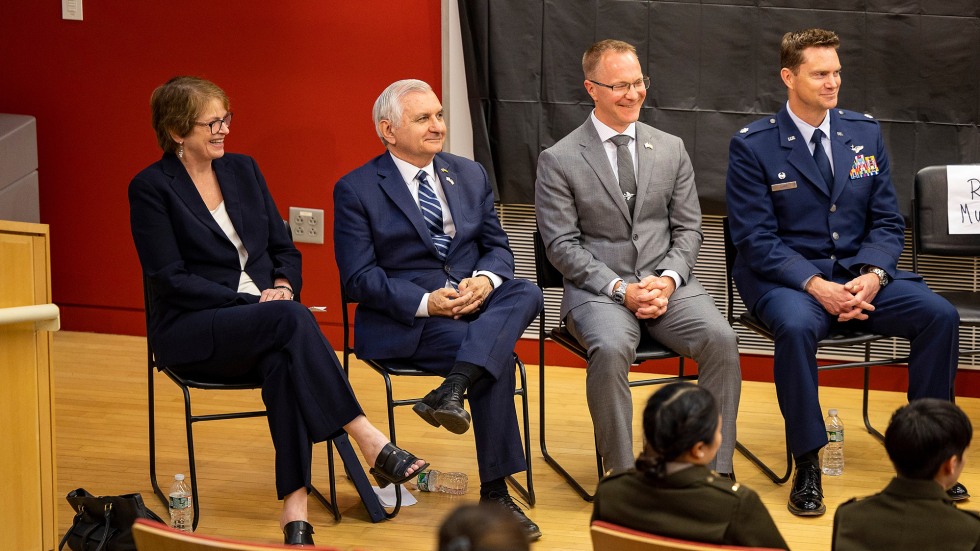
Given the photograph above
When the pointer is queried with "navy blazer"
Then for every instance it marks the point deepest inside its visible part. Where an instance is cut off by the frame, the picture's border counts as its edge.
(788, 226)
(190, 265)
(387, 259)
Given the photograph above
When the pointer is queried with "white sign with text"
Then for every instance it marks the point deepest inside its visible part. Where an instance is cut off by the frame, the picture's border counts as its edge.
(963, 198)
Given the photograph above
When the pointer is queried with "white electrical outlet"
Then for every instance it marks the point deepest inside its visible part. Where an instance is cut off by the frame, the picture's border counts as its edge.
(306, 225)
(71, 9)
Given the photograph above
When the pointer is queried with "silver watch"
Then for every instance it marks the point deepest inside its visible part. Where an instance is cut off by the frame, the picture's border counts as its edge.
(619, 293)
(883, 278)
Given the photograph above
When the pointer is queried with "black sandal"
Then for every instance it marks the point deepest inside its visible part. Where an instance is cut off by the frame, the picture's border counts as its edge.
(298, 532)
(391, 463)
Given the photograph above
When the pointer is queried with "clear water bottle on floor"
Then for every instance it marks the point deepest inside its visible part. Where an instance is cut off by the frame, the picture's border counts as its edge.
(438, 481)
(833, 452)
(181, 509)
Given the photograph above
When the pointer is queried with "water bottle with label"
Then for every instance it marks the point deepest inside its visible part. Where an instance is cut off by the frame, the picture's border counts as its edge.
(181, 506)
(438, 481)
(833, 452)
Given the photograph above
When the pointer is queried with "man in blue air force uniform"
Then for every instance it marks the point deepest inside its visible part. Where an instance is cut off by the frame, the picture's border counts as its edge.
(816, 223)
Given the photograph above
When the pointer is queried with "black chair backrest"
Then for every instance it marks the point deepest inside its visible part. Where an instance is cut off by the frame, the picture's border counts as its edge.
(730, 253)
(546, 273)
(930, 217)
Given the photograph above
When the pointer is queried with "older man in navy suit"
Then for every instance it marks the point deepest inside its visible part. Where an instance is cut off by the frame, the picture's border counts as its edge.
(815, 219)
(421, 251)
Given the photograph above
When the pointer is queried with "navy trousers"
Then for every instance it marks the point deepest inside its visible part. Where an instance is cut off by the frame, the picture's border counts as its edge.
(904, 308)
(304, 388)
(487, 339)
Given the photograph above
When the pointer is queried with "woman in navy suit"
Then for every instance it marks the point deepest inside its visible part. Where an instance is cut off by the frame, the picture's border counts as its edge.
(222, 273)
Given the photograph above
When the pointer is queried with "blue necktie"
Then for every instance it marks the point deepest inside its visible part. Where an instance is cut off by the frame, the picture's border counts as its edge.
(432, 213)
(820, 156)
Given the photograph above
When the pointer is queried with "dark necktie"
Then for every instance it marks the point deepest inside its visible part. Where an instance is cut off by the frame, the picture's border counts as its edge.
(627, 176)
(432, 213)
(820, 156)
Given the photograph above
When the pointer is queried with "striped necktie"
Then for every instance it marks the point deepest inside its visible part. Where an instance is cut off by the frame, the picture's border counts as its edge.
(432, 213)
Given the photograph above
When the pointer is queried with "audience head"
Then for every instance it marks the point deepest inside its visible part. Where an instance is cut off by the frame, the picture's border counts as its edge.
(485, 527)
(408, 118)
(680, 423)
(176, 105)
(615, 82)
(794, 43)
(926, 438)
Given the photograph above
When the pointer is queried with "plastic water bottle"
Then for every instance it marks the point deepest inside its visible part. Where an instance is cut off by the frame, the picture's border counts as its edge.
(833, 452)
(181, 509)
(437, 481)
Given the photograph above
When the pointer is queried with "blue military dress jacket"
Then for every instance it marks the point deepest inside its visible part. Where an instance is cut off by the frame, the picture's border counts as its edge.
(788, 225)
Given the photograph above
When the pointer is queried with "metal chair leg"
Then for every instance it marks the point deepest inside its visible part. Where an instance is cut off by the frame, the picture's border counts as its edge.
(527, 494)
(766, 470)
(330, 504)
(551, 461)
(153, 440)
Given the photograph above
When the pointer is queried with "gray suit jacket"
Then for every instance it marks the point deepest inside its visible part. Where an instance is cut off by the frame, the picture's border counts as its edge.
(585, 222)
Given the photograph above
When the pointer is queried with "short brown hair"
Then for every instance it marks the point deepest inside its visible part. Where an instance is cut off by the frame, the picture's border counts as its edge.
(592, 56)
(793, 44)
(175, 105)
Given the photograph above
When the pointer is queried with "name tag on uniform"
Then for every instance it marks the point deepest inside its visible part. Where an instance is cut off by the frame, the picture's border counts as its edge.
(783, 186)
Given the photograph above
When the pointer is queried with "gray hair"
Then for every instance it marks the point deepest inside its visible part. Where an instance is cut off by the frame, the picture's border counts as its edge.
(388, 106)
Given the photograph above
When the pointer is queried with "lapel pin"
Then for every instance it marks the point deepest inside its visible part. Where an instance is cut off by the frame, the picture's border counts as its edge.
(782, 175)
(647, 145)
(841, 134)
(444, 170)
(791, 138)
(450, 180)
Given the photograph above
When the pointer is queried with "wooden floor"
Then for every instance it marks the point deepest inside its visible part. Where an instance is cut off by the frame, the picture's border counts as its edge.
(102, 446)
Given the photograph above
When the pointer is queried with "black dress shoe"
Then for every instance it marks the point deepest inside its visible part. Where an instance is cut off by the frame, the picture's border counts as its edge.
(504, 500)
(958, 492)
(444, 407)
(806, 497)
(298, 532)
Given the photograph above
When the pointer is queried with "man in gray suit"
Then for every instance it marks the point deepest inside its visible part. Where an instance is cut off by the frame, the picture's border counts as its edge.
(618, 211)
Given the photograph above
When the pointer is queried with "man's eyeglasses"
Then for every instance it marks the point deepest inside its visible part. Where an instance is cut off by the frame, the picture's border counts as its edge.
(215, 126)
(624, 87)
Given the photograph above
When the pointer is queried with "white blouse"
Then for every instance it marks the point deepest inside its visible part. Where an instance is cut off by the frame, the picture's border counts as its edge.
(245, 283)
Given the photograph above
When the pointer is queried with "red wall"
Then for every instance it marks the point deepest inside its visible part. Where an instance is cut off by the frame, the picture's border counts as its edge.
(302, 77)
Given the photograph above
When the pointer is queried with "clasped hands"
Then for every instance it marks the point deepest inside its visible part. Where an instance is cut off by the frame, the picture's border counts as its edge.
(648, 299)
(281, 290)
(851, 300)
(452, 303)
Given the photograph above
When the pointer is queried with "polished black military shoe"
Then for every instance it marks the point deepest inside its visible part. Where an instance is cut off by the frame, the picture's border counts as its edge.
(958, 492)
(806, 497)
(444, 407)
(504, 500)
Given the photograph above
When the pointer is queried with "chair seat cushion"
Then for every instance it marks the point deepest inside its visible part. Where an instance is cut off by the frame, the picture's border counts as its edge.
(967, 303)
(840, 335)
(648, 349)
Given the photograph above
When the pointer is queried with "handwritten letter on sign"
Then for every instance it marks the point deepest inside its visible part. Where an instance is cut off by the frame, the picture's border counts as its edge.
(963, 198)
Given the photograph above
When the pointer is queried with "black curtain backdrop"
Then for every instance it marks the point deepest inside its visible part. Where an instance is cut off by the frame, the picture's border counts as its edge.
(913, 64)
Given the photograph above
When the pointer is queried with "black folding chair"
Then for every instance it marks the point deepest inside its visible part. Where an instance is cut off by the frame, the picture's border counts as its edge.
(187, 383)
(930, 236)
(839, 337)
(549, 277)
(387, 369)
